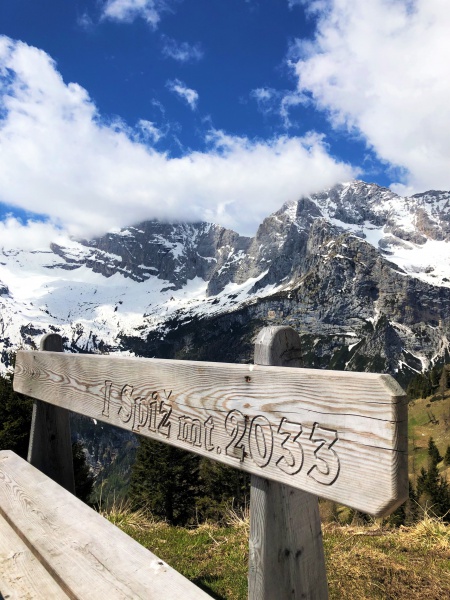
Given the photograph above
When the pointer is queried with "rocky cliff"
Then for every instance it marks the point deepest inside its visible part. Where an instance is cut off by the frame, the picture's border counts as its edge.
(361, 273)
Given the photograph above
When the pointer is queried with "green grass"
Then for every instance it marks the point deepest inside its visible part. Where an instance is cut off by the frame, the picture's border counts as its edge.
(214, 558)
(410, 563)
(363, 563)
(428, 417)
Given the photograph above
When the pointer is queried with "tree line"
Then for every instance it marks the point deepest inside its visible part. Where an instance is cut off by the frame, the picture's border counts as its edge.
(184, 488)
(15, 425)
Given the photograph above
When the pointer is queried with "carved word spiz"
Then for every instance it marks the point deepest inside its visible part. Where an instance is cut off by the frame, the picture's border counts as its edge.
(287, 445)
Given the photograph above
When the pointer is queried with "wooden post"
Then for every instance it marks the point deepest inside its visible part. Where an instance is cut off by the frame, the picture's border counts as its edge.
(50, 448)
(286, 558)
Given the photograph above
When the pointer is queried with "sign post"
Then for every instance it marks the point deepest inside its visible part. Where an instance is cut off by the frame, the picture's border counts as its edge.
(286, 557)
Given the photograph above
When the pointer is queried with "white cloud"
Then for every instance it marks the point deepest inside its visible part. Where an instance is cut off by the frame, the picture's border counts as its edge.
(150, 131)
(187, 94)
(270, 100)
(289, 101)
(380, 68)
(85, 22)
(58, 158)
(128, 10)
(266, 98)
(33, 235)
(181, 51)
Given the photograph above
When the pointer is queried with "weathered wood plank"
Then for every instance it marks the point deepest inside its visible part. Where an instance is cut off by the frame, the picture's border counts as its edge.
(286, 557)
(278, 347)
(320, 431)
(22, 577)
(50, 447)
(88, 556)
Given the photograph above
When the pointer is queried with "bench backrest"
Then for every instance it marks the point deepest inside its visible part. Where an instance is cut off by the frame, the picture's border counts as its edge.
(337, 435)
(320, 431)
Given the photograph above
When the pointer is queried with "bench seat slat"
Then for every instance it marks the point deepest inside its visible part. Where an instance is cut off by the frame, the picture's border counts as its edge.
(88, 556)
(22, 577)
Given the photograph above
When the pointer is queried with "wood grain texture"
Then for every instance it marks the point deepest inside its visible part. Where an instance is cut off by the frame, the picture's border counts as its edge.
(86, 555)
(50, 447)
(286, 557)
(22, 577)
(338, 435)
(278, 347)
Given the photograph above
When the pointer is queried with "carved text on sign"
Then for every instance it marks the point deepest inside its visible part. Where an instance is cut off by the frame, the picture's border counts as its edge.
(287, 445)
(139, 412)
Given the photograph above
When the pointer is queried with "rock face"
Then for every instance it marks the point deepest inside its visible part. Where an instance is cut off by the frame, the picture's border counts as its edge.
(173, 252)
(361, 273)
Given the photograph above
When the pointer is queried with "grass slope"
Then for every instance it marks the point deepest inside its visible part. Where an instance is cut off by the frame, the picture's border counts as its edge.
(362, 562)
(365, 562)
(428, 417)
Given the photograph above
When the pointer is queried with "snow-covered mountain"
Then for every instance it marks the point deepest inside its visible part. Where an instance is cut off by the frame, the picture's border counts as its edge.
(361, 273)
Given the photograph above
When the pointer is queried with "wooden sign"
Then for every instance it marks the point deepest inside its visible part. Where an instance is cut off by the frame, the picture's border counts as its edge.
(338, 435)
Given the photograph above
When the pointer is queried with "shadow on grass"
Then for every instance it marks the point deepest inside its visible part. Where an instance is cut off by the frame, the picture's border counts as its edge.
(202, 583)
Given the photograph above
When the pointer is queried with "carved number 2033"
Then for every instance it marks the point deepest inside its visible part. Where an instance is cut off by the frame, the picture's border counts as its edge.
(289, 457)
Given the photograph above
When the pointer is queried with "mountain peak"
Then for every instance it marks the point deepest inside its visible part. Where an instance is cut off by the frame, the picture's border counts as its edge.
(350, 267)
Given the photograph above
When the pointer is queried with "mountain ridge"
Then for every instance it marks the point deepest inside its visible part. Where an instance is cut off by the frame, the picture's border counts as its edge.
(361, 273)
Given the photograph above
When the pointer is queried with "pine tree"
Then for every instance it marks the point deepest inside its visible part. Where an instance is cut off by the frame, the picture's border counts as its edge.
(433, 492)
(15, 425)
(447, 456)
(421, 482)
(408, 512)
(419, 387)
(165, 481)
(411, 506)
(433, 453)
(220, 487)
(15, 419)
(423, 385)
(435, 377)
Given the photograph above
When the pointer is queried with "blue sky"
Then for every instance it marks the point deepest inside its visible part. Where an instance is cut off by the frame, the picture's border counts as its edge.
(115, 111)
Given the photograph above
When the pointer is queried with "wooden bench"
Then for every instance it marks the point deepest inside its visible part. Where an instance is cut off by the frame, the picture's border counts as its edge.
(54, 546)
(300, 433)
